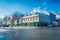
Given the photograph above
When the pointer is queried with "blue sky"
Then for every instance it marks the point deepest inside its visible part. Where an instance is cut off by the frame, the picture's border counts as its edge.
(8, 7)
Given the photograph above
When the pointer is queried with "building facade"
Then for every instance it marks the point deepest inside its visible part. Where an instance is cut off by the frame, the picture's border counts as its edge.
(35, 20)
(30, 20)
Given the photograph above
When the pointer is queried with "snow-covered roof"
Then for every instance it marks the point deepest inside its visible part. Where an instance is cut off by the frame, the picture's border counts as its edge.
(30, 16)
(57, 16)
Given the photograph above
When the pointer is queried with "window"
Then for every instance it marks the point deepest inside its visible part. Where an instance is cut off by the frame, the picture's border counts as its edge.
(28, 19)
(31, 19)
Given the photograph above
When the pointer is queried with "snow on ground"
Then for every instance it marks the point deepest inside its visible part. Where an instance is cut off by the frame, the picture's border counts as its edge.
(3, 30)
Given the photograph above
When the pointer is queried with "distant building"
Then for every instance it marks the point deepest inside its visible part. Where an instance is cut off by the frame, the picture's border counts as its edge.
(4, 21)
(9, 20)
(15, 23)
(58, 21)
(53, 18)
(0, 22)
(16, 18)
